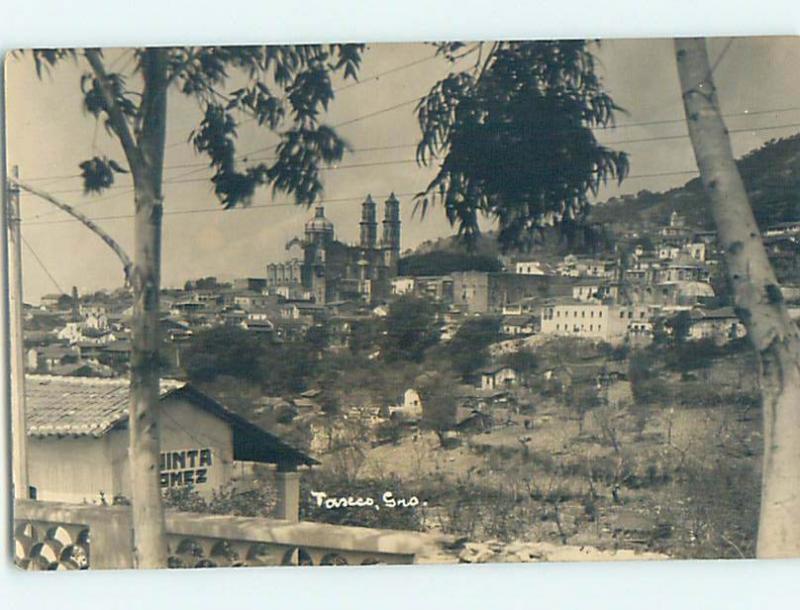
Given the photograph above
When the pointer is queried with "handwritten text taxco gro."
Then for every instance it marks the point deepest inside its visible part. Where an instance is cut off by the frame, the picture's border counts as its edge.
(387, 499)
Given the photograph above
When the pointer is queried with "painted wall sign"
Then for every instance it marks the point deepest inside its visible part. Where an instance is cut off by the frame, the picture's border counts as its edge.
(185, 467)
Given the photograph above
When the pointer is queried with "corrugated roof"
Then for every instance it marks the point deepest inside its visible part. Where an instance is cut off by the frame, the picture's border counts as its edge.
(84, 406)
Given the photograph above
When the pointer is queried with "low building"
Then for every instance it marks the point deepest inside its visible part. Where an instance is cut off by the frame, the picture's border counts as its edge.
(78, 440)
(532, 268)
(719, 325)
(411, 407)
(54, 301)
(783, 229)
(484, 292)
(403, 285)
(497, 378)
(519, 325)
(255, 284)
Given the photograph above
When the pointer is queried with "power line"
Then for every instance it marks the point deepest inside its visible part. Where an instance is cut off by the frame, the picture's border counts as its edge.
(204, 165)
(219, 209)
(721, 56)
(370, 78)
(83, 205)
(180, 179)
(686, 172)
(42, 265)
(686, 135)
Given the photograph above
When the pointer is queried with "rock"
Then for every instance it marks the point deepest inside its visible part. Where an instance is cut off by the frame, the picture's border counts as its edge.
(474, 552)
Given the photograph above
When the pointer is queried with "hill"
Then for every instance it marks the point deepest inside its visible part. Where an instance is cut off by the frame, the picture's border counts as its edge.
(771, 176)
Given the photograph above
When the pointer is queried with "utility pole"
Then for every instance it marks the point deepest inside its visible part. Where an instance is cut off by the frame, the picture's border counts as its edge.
(18, 425)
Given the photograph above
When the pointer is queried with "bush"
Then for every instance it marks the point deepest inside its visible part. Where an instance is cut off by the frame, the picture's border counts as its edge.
(259, 502)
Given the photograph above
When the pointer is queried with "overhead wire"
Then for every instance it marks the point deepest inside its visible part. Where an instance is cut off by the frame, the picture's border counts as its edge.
(42, 265)
(248, 155)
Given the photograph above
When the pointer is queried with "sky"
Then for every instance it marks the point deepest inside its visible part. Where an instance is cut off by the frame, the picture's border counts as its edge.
(48, 135)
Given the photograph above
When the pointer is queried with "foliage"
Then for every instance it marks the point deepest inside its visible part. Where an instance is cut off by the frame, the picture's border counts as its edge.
(515, 134)
(284, 88)
(524, 362)
(410, 329)
(235, 352)
(442, 263)
(439, 403)
(205, 283)
(770, 176)
(258, 502)
(468, 350)
(223, 350)
(679, 326)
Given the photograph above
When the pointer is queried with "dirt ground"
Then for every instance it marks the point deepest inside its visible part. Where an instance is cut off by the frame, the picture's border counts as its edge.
(626, 478)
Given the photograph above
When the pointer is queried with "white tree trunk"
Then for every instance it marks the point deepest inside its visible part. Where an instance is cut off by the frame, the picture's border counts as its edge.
(144, 150)
(758, 301)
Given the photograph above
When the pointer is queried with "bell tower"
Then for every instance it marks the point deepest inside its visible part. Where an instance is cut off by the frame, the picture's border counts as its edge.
(368, 224)
(391, 234)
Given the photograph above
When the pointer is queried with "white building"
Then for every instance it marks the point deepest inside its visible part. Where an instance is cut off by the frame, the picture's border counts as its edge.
(531, 268)
(498, 378)
(719, 325)
(403, 285)
(411, 408)
(596, 321)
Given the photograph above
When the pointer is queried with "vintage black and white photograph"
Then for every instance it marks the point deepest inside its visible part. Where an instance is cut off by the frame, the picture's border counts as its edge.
(347, 304)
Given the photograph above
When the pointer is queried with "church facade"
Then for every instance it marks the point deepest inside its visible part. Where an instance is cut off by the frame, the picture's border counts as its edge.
(331, 270)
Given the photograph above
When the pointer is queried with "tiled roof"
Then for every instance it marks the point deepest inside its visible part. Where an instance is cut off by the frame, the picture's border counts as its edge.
(84, 406)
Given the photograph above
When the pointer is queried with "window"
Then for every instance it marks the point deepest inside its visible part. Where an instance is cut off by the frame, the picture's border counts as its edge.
(591, 326)
(621, 314)
(583, 314)
(599, 314)
(33, 492)
(630, 314)
(558, 326)
(591, 314)
(558, 313)
(575, 314)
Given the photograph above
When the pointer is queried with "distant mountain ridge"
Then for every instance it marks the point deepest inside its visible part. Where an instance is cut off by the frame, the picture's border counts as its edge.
(771, 175)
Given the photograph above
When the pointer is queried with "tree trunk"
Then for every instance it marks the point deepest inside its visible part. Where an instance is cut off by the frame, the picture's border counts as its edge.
(758, 301)
(150, 547)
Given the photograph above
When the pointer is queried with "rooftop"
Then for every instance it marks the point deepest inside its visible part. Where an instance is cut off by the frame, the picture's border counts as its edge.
(84, 406)
(88, 406)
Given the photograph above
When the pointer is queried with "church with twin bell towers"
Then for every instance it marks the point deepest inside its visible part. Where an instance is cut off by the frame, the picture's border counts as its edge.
(330, 270)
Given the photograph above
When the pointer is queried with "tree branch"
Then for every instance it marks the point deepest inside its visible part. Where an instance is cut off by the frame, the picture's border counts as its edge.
(118, 122)
(110, 241)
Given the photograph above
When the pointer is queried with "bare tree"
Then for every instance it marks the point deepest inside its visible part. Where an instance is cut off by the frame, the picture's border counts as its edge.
(758, 301)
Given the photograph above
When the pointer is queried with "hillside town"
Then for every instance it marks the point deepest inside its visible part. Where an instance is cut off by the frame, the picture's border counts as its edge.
(552, 364)
(621, 298)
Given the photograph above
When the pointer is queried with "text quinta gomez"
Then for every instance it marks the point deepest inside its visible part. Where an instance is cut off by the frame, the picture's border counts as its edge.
(388, 500)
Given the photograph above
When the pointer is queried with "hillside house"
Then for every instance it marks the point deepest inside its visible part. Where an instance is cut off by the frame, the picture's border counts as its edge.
(532, 268)
(411, 407)
(497, 378)
(519, 325)
(719, 325)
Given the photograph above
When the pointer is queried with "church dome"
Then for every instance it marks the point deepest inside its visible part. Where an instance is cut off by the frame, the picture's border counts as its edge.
(319, 224)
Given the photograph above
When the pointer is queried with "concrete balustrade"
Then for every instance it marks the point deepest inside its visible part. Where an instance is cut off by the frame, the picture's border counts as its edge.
(51, 536)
